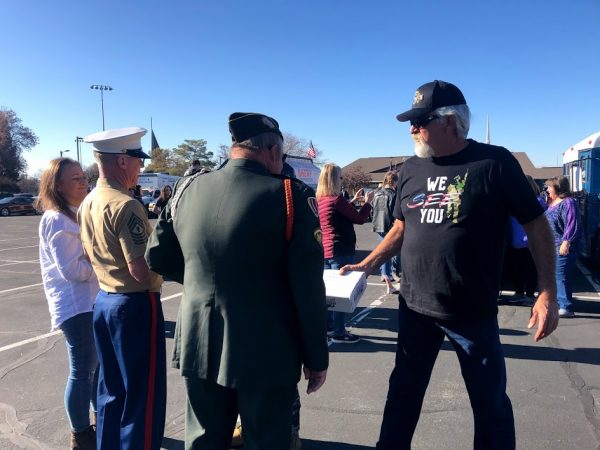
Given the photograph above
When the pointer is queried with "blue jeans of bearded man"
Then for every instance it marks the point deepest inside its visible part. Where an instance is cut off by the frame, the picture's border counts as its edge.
(477, 345)
(336, 320)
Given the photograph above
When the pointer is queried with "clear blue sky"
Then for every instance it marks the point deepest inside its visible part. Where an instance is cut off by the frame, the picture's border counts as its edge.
(333, 71)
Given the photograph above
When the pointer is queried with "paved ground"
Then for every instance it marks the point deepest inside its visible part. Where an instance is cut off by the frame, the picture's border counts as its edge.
(554, 385)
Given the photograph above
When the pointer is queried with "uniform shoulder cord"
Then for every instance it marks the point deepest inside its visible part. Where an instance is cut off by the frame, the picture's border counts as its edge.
(289, 209)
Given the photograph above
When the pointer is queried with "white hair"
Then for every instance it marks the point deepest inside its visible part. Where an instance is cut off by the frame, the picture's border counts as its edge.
(463, 117)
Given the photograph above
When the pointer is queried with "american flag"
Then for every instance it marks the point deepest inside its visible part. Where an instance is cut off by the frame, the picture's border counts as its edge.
(311, 152)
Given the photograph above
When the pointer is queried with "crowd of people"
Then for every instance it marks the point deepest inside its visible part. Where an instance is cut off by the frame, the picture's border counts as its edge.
(241, 352)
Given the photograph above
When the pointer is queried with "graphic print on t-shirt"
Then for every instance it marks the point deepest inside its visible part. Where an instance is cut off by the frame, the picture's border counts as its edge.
(440, 195)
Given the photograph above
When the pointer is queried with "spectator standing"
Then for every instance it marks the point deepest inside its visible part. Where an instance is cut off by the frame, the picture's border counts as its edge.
(383, 219)
(163, 198)
(128, 319)
(194, 168)
(240, 350)
(337, 217)
(70, 287)
(451, 211)
(563, 216)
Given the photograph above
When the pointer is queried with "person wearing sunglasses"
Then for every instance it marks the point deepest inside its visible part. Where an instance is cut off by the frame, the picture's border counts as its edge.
(451, 211)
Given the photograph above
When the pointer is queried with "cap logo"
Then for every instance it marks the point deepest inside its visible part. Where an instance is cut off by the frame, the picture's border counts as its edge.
(268, 122)
(418, 98)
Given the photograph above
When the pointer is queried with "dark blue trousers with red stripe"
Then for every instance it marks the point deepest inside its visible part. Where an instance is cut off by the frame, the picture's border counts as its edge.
(130, 341)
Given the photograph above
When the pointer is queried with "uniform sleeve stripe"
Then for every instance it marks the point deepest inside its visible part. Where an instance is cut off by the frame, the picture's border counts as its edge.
(289, 209)
(151, 373)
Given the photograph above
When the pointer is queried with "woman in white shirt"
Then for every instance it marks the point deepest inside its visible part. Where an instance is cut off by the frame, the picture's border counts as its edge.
(71, 287)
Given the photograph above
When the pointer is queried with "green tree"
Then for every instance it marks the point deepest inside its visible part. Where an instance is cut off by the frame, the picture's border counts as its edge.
(14, 139)
(191, 149)
(160, 162)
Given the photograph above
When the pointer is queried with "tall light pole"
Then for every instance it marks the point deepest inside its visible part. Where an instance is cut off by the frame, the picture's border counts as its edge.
(78, 141)
(63, 151)
(101, 88)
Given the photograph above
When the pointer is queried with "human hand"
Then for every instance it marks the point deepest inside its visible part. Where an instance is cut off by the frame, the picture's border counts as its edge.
(360, 267)
(358, 195)
(315, 379)
(564, 248)
(545, 313)
(369, 196)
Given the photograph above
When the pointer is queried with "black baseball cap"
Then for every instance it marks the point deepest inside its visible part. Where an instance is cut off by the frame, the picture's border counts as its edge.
(430, 97)
(243, 126)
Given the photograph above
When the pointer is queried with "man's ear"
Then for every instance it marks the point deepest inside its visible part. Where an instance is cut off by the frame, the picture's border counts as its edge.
(121, 162)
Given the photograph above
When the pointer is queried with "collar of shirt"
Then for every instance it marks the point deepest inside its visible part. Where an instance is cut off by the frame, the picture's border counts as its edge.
(108, 183)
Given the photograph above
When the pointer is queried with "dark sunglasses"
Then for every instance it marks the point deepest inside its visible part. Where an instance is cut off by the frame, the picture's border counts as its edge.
(422, 122)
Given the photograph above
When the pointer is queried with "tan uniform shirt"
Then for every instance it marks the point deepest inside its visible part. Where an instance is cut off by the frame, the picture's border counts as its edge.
(114, 231)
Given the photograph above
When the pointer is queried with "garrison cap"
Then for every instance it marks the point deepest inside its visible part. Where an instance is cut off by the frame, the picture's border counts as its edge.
(127, 141)
(243, 126)
(431, 96)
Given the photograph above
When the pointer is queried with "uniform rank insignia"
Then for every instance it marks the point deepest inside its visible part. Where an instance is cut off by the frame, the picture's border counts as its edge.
(137, 230)
(318, 234)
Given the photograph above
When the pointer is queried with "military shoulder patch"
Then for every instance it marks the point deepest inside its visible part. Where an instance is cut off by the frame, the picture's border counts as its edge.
(313, 205)
(137, 230)
(318, 234)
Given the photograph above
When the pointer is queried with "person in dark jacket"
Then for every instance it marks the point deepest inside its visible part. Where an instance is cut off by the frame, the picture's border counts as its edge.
(383, 219)
(338, 216)
(241, 350)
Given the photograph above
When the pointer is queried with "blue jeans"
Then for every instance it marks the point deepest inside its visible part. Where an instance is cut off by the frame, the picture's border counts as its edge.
(386, 267)
(564, 273)
(477, 345)
(80, 391)
(336, 320)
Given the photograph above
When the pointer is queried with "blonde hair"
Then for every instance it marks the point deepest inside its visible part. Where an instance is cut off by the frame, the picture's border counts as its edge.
(50, 196)
(330, 181)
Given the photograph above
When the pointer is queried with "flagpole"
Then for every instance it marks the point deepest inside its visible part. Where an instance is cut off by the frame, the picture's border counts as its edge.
(487, 131)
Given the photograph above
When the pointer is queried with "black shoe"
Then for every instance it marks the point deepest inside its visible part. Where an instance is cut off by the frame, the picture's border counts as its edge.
(346, 338)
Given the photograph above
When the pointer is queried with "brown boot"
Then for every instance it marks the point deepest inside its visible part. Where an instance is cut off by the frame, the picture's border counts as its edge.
(84, 440)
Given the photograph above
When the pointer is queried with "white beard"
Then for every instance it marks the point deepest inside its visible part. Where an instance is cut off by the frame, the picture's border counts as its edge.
(423, 150)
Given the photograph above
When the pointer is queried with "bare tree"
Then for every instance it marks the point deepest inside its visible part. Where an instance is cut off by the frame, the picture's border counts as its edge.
(222, 154)
(355, 178)
(296, 146)
(92, 174)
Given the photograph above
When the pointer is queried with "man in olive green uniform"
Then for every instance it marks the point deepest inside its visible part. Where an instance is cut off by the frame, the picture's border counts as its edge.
(245, 242)
(128, 319)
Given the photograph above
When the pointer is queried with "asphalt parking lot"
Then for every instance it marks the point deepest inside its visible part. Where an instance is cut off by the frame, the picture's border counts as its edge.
(554, 385)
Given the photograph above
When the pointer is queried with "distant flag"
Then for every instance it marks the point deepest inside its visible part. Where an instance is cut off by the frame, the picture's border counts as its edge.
(487, 131)
(311, 152)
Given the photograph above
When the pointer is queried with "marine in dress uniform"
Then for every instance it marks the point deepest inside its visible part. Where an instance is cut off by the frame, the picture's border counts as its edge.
(128, 318)
(240, 345)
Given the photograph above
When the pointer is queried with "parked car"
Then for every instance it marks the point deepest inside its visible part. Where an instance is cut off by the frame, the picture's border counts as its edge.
(6, 194)
(17, 205)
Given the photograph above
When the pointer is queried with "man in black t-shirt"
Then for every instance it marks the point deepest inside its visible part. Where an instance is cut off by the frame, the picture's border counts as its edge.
(451, 209)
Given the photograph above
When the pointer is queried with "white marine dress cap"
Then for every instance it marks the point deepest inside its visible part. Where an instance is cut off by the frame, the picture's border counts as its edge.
(127, 141)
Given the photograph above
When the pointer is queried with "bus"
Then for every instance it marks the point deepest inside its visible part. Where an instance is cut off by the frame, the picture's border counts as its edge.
(152, 182)
(581, 165)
